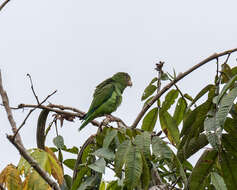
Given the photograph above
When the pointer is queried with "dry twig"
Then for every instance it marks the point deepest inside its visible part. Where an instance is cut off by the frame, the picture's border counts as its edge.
(9, 111)
(4, 4)
(32, 88)
(27, 116)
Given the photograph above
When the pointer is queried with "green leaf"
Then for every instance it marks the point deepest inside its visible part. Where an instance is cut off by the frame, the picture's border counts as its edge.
(194, 120)
(160, 148)
(147, 101)
(150, 89)
(109, 137)
(35, 181)
(213, 132)
(180, 170)
(70, 163)
(188, 97)
(143, 141)
(170, 99)
(230, 126)
(226, 87)
(218, 181)
(169, 126)
(202, 169)
(164, 76)
(145, 177)
(201, 93)
(133, 167)
(229, 142)
(73, 150)
(81, 173)
(195, 144)
(98, 165)
(153, 80)
(104, 153)
(58, 142)
(68, 180)
(120, 157)
(150, 119)
(102, 186)
(226, 73)
(41, 157)
(228, 164)
(225, 106)
(113, 185)
(180, 110)
(89, 182)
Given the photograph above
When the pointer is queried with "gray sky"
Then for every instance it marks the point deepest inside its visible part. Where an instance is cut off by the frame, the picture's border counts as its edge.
(73, 45)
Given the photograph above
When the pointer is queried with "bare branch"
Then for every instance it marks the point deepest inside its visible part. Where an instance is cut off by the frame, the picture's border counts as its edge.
(178, 78)
(79, 156)
(9, 111)
(4, 4)
(27, 116)
(32, 88)
(33, 163)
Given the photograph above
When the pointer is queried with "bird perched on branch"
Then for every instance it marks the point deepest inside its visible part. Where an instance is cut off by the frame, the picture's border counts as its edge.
(107, 97)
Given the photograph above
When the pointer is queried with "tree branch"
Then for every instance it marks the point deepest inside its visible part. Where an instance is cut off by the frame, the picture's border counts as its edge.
(33, 163)
(178, 78)
(79, 156)
(18, 143)
(4, 4)
(32, 88)
(9, 111)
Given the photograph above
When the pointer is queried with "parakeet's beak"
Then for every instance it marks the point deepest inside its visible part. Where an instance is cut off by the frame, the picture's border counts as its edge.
(129, 83)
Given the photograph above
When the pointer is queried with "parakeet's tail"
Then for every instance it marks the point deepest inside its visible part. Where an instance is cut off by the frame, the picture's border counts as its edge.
(84, 124)
(87, 119)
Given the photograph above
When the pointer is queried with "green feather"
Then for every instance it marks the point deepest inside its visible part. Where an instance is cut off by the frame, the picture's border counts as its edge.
(107, 97)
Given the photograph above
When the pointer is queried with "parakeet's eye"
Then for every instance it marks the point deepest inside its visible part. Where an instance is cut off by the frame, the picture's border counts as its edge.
(129, 81)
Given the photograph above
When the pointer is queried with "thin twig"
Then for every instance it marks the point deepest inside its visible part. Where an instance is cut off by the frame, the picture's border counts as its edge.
(32, 88)
(27, 116)
(4, 4)
(9, 111)
(33, 163)
(176, 181)
(79, 114)
(228, 56)
(79, 156)
(178, 78)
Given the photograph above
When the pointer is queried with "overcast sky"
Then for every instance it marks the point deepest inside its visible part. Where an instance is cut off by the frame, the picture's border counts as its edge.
(72, 45)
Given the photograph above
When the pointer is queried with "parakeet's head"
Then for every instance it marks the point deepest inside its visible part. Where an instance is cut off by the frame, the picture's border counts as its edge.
(123, 78)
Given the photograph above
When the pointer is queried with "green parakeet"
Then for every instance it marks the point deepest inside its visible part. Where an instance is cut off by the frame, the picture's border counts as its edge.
(107, 97)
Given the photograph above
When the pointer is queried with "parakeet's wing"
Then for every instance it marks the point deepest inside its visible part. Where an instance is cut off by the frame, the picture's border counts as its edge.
(101, 95)
(101, 86)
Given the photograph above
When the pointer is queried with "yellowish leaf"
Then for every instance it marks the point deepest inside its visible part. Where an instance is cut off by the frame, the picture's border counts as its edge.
(56, 169)
(10, 177)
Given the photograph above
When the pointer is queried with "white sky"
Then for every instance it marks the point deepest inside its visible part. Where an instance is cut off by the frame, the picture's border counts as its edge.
(73, 45)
